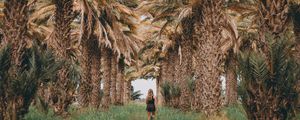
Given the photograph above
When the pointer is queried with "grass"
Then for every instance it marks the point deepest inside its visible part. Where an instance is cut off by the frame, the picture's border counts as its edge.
(127, 112)
(138, 112)
(235, 112)
(35, 114)
(133, 112)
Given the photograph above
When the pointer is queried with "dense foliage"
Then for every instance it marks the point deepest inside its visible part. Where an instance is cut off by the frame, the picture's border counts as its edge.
(18, 90)
(269, 82)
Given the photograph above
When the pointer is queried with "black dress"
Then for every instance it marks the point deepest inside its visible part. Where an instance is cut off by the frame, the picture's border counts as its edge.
(151, 105)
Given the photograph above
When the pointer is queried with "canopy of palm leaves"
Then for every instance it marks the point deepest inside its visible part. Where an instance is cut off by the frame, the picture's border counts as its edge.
(114, 25)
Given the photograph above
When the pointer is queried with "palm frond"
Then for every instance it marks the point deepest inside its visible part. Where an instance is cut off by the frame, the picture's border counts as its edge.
(114, 25)
(266, 77)
(136, 95)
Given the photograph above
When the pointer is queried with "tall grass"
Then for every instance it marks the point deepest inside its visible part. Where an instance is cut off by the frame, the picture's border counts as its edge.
(133, 112)
(35, 114)
(138, 112)
(235, 112)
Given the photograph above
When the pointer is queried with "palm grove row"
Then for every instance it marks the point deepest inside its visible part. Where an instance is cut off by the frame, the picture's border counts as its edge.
(50, 47)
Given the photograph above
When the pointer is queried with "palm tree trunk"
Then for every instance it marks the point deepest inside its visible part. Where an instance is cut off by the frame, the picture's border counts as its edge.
(127, 91)
(87, 45)
(62, 31)
(114, 66)
(160, 80)
(106, 70)
(95, 75)
(296, 22)
(159, 96)
(295, 9)
(170, 72)
(185, 74)
(120, 85)
(208, 15)
(85, 88)
(15, 31)
(231, 84)
(177, 79)
(2, 106)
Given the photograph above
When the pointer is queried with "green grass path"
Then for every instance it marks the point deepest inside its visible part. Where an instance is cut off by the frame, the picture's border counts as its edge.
(127, 112)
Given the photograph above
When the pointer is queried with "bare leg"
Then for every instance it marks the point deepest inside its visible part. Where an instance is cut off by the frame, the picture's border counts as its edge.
(149, 115)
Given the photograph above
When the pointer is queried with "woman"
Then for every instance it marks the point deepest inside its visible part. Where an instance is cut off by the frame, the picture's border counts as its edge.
(150, 101)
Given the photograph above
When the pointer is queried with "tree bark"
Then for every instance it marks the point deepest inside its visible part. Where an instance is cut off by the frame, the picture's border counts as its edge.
(63, 18)
(95, 75)
(86, 64)
(160, 80)
(209, 59)
(170, 72)
(176, 79)
(295, 9)
(13, 107)
(127, 92)
(114, 66)
(296, 22)
(120, 85)
(106, 70)
(185, 74)
(231, 84)
(15, 29)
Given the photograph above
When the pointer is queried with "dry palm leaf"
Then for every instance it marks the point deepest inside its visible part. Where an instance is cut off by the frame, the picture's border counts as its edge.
(114, 25)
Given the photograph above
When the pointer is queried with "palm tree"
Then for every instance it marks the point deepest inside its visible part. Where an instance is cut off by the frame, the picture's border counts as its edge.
(114, 66)
(135, 95)
(273, 15)
(95, 73)
(120, 82)
(15, 23)
(266, 77)
(231, 81)
(61, 43)
(295, 11)
(230, 47)
(24, 64)
(174, 14)
(209, 17)
(127, 91)
(88, 54)
(19, 91)
(115, 34)
(106, 70)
